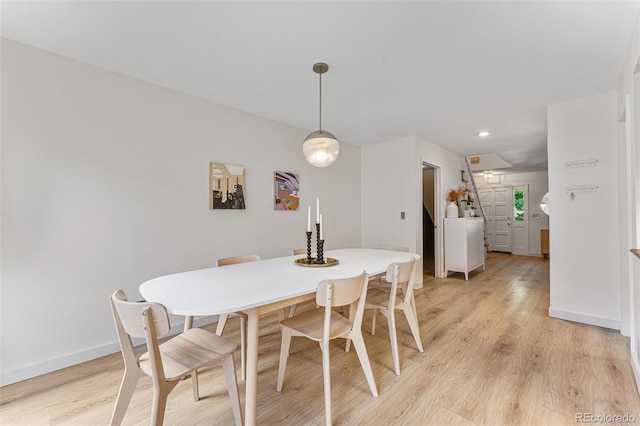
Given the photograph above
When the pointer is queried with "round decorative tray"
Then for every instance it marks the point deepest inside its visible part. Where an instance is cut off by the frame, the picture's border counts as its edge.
(329, 261)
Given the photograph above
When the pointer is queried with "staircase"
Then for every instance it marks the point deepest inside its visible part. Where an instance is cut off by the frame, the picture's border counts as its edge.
(476, 205)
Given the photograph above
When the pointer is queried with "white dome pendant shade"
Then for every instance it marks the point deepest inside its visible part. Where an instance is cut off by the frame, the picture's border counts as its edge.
(320, 148)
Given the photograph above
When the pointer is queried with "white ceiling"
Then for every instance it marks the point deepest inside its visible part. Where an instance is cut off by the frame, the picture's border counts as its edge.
(442, 70)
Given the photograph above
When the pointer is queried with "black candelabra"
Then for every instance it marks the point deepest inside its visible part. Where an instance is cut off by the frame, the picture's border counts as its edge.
(309, 258)
(319, 247)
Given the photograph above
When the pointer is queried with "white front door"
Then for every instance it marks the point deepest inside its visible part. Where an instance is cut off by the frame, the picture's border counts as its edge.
(498, 208)
(502, 211)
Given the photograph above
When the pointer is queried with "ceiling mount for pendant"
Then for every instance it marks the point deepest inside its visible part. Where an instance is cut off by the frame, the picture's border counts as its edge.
(320, 148)
(320, 68)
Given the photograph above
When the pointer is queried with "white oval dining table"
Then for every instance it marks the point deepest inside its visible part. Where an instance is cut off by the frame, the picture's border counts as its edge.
(257, 288)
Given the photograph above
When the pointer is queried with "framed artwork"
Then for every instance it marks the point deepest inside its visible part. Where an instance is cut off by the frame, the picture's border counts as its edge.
(287, 191)
(226, 186)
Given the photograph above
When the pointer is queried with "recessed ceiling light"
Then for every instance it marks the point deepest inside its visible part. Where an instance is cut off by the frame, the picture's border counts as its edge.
(484, 133)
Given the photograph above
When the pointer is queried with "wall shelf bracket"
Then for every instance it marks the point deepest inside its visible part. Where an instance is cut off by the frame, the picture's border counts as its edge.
(580, 163)
(580, 189)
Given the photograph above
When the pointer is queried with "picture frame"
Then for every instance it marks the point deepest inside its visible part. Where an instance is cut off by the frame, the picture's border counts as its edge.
(286, 191)
(226, 186)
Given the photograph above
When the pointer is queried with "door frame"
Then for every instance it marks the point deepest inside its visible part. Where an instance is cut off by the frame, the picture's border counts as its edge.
(526, 224)
(438, 219)
(632, 141)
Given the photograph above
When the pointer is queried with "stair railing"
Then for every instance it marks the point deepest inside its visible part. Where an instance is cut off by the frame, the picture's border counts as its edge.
(475, 189)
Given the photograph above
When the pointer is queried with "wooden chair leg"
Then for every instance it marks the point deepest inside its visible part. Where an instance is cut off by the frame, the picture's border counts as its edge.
(413, 325)
(229, 369)
(127, 387)
(222, 321)
(284, 355)
(393, 336)
(292, 310)
(326, 372)
(361, 350)
(282, 314)
(188, 325)
(160, 395)
(243, 348)
(413, 306)
(373, 321)
(194, 383)
(352, 316)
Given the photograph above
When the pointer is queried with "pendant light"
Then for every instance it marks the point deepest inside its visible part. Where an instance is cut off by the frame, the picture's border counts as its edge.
(320, 148)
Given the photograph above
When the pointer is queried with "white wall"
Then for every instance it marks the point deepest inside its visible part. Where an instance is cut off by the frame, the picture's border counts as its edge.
(388, 188)
(629, 147)
(392, 183)
(538, 186)
(584, 264)
(105, 185)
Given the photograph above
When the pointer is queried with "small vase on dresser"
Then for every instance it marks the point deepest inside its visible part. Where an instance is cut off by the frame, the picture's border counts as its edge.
(452, 209)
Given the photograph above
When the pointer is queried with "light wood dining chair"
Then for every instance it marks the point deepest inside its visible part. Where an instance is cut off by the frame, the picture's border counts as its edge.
(222, 321)
(323, 325)
(296, 252)
(397, 297)
(301, 251)
(169, 362)
(392, 248)
(378, 281)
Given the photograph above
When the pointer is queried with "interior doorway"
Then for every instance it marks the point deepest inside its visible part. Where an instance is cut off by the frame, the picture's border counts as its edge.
(429, 219)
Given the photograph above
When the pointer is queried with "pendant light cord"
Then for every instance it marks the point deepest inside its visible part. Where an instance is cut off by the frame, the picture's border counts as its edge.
(320, 108)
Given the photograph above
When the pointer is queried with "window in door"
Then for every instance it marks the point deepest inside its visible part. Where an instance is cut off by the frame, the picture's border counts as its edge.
(518, 205)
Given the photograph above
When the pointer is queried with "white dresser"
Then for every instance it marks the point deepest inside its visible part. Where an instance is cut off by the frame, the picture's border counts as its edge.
(463, 245)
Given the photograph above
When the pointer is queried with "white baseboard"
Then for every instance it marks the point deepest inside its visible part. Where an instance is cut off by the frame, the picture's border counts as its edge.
(635, 365)
(584, 319)
(28, 372)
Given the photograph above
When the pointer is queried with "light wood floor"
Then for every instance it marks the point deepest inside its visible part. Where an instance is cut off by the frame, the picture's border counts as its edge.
(492, 356)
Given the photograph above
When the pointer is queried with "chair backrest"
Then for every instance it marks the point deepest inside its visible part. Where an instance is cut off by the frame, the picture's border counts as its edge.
(238, 259)
(140, 319)
(130, 315)
(342, 292)
(401, 272)
(303, 251)
(392, 248)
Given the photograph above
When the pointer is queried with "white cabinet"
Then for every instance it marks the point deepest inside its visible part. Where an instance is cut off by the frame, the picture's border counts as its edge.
(463, 245)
